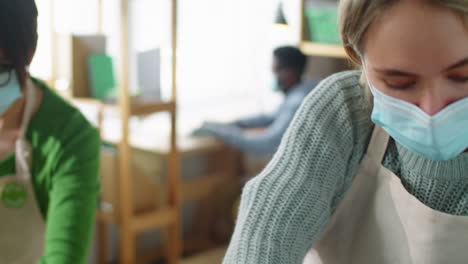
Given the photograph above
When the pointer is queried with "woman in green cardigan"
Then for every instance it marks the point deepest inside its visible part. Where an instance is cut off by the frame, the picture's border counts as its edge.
(49, 156)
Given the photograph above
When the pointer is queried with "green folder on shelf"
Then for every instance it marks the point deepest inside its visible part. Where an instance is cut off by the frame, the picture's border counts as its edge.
(101, 77)
(323, 24)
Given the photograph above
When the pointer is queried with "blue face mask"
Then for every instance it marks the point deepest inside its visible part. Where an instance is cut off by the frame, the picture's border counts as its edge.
(442, 136)
(10, 90)
(275, 86)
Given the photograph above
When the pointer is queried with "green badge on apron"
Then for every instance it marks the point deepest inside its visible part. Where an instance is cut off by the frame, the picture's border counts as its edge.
(13, 195)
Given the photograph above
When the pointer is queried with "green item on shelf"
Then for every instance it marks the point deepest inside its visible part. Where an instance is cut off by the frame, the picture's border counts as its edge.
(323, 24)
(101, 77)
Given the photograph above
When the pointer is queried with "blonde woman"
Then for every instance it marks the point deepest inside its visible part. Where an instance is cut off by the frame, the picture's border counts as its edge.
(374, 168)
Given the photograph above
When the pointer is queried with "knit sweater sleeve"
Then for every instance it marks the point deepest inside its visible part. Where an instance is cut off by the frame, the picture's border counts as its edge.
(285, 209)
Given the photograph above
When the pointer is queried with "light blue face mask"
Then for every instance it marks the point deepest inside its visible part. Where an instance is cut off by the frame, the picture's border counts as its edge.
(442, 136)
(10, 90)
(275, 86)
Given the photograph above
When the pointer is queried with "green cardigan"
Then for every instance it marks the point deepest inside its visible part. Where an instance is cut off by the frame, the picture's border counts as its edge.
(65, 177)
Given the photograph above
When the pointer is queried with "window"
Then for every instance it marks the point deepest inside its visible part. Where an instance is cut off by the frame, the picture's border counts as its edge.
(42, 64)
(224, 51)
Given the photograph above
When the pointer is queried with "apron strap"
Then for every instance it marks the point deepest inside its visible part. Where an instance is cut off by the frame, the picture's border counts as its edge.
(29, 107)
(23, 151)
(378, 144)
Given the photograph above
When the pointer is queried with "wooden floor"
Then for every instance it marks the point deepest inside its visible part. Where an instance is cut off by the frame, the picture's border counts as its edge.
(211, 257)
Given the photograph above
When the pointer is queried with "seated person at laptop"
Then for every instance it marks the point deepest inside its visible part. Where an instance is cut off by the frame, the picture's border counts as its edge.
(288, 67)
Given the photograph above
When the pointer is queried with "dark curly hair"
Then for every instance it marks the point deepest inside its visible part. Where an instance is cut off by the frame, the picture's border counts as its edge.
(291, 58)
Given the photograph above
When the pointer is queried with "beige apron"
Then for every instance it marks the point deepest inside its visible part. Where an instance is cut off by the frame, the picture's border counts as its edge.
(379, 222)
(22, 227)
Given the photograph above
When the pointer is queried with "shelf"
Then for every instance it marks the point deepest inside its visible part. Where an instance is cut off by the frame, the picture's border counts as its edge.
(186, 145)
(107, 217)
(144, 221)
(323, 50)
(201, 187)
(159, 218)
(84, 100)
(137, 108)
(150, 108)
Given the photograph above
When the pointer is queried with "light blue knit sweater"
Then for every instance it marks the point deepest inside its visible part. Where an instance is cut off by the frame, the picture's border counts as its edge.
(285, 208)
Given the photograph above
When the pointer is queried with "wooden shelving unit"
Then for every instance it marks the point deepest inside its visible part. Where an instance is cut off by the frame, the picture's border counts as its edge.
(129, 221)
(166, 218)
(316, 49)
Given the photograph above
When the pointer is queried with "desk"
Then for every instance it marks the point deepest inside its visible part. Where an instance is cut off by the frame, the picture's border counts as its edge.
(198, 185)
(149, 140)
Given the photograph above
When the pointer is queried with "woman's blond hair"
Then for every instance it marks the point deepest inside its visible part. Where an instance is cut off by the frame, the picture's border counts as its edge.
(356, 16)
